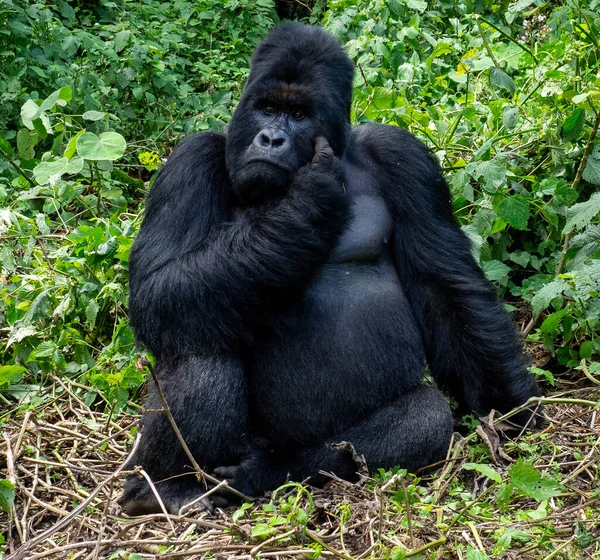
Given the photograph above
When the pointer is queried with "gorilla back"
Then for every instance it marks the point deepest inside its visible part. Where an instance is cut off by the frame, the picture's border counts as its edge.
(293, 278)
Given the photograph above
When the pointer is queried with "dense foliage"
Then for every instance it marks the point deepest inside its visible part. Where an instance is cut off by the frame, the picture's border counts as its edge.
(95, 94)
(507, 98)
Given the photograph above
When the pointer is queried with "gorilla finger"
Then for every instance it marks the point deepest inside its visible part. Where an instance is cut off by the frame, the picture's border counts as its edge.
(226, 472)
(222, 501)
(323, 151)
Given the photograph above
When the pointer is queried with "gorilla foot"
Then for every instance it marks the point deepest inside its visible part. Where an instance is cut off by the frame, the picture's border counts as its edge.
(139, 499)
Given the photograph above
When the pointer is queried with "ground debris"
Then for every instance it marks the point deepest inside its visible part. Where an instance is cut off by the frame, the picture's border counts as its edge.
(64, 454)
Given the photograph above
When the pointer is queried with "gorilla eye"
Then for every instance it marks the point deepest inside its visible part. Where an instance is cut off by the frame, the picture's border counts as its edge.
(298, 115)
(269, 110)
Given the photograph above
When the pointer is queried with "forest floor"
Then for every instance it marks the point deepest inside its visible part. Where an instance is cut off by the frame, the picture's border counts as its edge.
(64, 460)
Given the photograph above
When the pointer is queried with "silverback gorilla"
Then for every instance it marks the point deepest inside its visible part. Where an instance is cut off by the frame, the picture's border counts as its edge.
(292, 278)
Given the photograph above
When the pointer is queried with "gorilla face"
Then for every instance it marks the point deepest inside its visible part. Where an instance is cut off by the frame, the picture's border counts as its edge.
(299, 88)
(270, 137)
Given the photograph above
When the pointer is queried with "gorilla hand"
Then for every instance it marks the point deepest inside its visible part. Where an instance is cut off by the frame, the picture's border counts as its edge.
(323, 151)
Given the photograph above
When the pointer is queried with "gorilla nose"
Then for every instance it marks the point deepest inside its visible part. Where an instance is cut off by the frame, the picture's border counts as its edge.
(273, 139)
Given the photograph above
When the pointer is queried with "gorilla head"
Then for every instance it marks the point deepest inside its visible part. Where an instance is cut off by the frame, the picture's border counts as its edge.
(299, 88)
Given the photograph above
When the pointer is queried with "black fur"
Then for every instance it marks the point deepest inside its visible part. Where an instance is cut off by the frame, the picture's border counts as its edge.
(292, 303)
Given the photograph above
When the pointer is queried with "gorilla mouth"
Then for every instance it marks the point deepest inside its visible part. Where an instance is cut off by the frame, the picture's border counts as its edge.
(269, 162)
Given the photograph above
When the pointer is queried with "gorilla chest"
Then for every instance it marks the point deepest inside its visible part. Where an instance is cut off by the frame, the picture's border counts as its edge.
(369, 228)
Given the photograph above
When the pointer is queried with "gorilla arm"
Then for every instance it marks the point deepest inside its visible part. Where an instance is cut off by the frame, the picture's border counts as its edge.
(199, 281)
(471, 345)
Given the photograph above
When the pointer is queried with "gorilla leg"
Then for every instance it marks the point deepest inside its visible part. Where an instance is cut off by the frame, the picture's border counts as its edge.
(412, 432)
(207, 397)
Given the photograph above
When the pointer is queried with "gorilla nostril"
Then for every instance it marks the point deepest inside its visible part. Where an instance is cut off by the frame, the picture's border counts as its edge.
(264, 140)
(277, 142)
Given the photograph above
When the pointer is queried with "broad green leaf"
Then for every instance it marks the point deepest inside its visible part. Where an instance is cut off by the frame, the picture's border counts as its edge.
(74, 166)
(42, 126)
(474, 554)
(573, 125)
(547, 293)
(94, 115)
(519, 6)
(491, 173)
(11, 374)
(48, 172)
(43, 350)
(111, 193)
(29, 110)
(121, 40)
(91, 311)
(418, 5)
(530, 482)
(552, 322)
(514, 212)
(7, 495)
(547, 375)
(65, 94)
(581, 214)
(72, 145)
(25, 144)
(6, 148)
(591, 173)
(586, 350)
(262, 530)
(510, 117)
(502, 80)
(495, 270)
(485, 470)
(106, 146)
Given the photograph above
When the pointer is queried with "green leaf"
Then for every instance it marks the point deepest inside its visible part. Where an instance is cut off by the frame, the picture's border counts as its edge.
(582, 214)
(262, 530)
(72, 145)
(591, 173)
(6, 148)
(111, 193)
(485, 470)
(94, 115)
(474, 554)
(29, 110)
(11, 374)
(25, 144)
(547, 293)
(573, 125)
(91, 312)
(43, 350)
(492, 173)
(495, 270)
(418, 5)
(48, 172)
(121, 40)
(7, 495)
(552, 322)
(107, 146)
(586, 350)
(502, 80)
(527, 480)
(510, 117)
(514, 212)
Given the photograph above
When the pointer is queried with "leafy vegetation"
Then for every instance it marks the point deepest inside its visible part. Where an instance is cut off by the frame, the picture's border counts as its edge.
(507, 95)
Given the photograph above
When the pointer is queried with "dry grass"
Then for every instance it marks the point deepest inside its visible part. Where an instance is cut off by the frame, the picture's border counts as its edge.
(63, 458)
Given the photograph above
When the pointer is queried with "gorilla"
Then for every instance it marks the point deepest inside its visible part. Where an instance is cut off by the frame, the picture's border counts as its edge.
(293, 278)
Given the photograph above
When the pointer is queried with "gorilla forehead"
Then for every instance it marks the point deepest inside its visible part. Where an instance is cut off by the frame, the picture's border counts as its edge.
(299, 54)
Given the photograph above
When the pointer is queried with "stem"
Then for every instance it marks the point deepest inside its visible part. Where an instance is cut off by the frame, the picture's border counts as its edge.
(486, 44)
(508, 37)
(17, 167)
